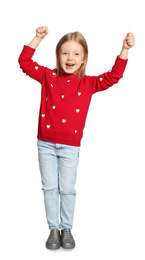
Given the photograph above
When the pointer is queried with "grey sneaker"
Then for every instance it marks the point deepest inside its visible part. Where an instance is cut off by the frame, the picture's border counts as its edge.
(53, 241)
(67, 240)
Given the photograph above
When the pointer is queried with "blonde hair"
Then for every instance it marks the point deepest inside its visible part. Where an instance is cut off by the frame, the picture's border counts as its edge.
(78, 37)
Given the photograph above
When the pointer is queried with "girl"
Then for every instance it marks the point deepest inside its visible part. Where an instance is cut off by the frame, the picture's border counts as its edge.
(66, 96)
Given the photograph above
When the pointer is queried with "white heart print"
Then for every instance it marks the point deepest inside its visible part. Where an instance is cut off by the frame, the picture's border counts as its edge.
(101, 79)
(79, 93)
(77, 110)
(75, 131)
(48, 126)
(54, 74)
(53, 107)
(51, 85)
(36, 68)
(62, 96)
(43, 115)
(63, 120)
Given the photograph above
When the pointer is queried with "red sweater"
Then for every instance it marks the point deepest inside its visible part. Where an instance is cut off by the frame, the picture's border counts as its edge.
(66, 98)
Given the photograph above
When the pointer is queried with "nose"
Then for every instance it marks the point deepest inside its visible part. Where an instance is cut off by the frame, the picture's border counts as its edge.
(69, 56)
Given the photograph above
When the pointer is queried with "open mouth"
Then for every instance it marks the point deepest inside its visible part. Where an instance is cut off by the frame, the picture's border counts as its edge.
(69, 65)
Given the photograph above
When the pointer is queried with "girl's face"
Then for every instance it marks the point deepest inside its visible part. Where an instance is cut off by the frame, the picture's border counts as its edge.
(71, 56)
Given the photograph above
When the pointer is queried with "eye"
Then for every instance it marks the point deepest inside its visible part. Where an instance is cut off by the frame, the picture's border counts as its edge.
(65, 53)
(76, 54)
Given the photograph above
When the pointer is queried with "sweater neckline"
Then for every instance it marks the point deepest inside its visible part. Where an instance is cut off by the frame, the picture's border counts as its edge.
(69, 76)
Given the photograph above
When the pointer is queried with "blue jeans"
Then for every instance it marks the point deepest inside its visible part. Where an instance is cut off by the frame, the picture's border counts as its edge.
(58, 167)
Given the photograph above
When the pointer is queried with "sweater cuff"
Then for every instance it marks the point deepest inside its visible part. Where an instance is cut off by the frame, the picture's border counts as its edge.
(121, 62)
(28, 50)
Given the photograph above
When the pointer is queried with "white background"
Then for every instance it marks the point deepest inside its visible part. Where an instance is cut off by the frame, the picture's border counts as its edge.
(110, 208)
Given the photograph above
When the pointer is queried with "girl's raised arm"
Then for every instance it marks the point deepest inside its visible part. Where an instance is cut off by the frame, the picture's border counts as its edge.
(41, 32)
(127, 44)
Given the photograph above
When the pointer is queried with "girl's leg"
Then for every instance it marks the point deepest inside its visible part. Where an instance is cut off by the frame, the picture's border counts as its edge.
(68, 163)
(48, 163)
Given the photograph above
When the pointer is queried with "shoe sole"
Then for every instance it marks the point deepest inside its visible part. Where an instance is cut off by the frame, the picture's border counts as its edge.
(52, 247)
(67, 246)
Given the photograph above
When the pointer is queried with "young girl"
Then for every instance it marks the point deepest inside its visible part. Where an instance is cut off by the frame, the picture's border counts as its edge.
(66, 96)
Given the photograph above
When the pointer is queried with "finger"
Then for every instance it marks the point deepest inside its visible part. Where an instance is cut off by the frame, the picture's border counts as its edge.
(39, 30)
(130, 35)
(45, 29)
(130, 43)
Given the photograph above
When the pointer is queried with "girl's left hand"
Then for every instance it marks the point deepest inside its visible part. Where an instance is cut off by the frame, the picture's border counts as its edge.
(129, 41)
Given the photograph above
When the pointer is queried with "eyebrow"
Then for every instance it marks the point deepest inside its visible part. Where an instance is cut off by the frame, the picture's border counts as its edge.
(65, 50)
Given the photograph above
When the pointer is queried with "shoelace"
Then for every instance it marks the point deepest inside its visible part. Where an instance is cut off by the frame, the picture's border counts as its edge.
(66, 234)
(54, 234)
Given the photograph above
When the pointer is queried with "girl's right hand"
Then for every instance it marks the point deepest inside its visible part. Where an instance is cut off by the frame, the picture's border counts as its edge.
(41, 32)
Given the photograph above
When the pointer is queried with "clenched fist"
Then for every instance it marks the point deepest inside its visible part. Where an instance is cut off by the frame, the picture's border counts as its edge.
(129, 41)
(41, 32)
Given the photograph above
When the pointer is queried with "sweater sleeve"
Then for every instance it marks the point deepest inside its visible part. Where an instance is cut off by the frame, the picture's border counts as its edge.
(108, 79)
(31, 68)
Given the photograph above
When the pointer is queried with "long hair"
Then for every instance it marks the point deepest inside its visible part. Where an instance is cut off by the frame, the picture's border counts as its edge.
(78, 37)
